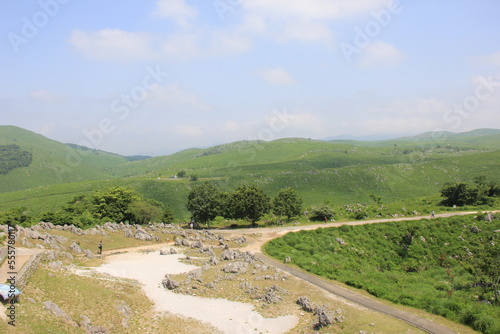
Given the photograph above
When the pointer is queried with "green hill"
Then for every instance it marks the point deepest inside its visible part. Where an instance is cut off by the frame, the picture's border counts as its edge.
(53, 162)
(341, 172)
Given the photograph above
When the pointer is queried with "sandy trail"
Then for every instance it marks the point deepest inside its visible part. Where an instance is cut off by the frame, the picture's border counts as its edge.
(227, 316)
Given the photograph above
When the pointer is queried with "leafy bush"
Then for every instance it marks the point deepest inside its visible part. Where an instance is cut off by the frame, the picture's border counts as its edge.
(322, 212)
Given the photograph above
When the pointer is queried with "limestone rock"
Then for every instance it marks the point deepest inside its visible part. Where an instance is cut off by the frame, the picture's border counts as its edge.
(51, 306)
(169, 283)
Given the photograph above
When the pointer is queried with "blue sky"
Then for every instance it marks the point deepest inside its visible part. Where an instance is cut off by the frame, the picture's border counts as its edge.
(156, 77)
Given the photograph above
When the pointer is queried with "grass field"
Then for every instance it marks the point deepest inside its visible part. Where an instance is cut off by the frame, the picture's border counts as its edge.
(340, 172)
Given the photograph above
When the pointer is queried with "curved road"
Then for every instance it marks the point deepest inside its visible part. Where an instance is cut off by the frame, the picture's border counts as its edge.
(271, 233)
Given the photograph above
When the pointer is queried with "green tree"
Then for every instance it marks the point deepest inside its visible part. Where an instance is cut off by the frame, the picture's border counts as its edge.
(322, 212)
(143, 211)
(113, 203)
(463, 193)
(182, 173)
(287, 203)
(168, 215)
(460, 194)
(204, 202)
(78, 205)
(249, 202)
(16, 216)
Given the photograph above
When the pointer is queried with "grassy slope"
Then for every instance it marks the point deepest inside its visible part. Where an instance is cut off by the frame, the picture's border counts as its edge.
(341, 172)
(53, 162)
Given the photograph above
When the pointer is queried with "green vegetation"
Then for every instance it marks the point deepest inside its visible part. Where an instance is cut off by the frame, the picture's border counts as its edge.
(322, 212)
(12, 157)
(450, 267)
(342, 172)
(249, 202)
(115, 204)
(287, 203)
(463, 193)
(204, 203)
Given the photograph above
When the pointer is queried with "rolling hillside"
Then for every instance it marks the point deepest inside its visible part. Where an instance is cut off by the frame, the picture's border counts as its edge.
(339, 171)
(53, 162)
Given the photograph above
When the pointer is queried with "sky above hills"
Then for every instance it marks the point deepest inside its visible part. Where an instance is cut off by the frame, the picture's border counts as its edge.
(156, 77)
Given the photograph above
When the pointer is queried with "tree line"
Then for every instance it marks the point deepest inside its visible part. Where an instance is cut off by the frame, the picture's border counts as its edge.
(480, 192)
(12, 157)
(115, 204)
(206, 202)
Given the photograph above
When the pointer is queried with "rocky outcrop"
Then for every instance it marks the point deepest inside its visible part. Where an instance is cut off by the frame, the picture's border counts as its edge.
(169, 283)
(124, 309)
(306, 304)
(86, 324)
(56, 310)
(75, 247)
(236, 267)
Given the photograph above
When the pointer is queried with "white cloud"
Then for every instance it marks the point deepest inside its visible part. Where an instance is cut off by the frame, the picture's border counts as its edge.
(313, 9)
(380, 54)
(306, 31)
(113, 44)
(298, 20)
(181, 46)
(276, 75)
(176, 10)
(223, 42)
(174, 96)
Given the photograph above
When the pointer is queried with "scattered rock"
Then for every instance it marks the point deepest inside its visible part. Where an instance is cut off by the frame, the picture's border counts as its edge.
(56, 265)
(271, 295)
(475, 229)
(340, 241)
(75, 247)
(169, 283)
(140, 234)
(324, 318)
(26, 243)
(305, 304)
(126, 311)
(88, 253)
(197, 244)
(227, 255)
(128, 234)
(86, 324)
(240, 240)
(51, 306)
(213, 261)
(196, 273)
(236, 268)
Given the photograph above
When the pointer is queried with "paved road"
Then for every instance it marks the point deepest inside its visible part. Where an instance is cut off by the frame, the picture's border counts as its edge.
(330, 286)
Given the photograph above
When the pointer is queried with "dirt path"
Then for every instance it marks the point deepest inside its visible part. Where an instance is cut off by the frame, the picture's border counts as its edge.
(258, 237)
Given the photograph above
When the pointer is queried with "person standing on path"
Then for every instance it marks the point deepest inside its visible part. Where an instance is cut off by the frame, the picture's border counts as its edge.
(100, 247)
